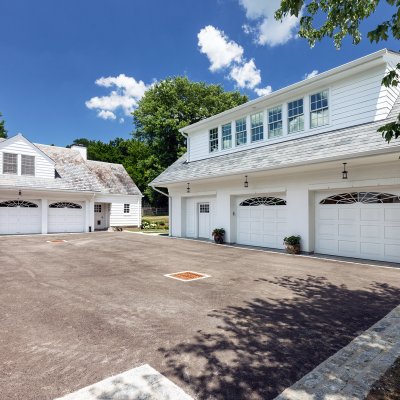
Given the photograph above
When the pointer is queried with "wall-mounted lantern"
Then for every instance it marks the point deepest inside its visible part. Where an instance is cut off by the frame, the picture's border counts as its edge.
(188, 188)
(246, 183)
(344, 172)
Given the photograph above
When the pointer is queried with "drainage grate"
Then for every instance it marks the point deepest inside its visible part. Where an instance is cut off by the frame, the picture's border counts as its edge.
(56, 241)
(187, 276)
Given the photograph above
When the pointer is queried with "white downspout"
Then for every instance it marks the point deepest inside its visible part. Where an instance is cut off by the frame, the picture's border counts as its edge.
(185, 135)
(169, 207)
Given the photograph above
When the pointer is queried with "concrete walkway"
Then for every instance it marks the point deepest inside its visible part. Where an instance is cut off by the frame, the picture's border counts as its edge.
(350, 373)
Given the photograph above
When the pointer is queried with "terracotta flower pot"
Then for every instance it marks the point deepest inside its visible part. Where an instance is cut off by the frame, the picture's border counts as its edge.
(292, 248)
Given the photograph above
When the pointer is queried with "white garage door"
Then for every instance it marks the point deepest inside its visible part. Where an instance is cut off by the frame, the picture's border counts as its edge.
(20, 217)
(359, 224)
(66, 217)
(261, 221)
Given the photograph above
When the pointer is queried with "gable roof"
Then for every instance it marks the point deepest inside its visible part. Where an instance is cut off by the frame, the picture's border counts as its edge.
(343, 143)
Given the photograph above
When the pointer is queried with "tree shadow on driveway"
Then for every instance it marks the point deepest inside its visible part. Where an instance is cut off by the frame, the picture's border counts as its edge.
(266, 345)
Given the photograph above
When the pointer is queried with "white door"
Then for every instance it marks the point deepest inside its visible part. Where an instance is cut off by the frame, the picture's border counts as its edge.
(66, 217)
(204, 220)
(360, 225)
(20, 217)
(100, 216)
(261, 221)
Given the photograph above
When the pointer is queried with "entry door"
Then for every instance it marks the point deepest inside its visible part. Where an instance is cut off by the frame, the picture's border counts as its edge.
(204, 220)
(100, 215)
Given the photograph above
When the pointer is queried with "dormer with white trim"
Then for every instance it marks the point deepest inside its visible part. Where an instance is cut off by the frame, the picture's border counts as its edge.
(346, 96)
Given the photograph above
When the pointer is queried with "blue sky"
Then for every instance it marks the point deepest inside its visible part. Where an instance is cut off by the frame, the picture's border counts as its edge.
(54, 52)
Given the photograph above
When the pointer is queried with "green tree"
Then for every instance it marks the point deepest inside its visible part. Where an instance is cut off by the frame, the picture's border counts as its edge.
(169, 105)
(3, 131)
(342, 18)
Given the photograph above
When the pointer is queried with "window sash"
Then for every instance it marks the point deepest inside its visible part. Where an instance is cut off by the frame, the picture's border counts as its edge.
(213, 139)
(27, 165)
(275, 122)
(319, 109)
(127, 208)
(295, 116)
(241, 131)
(10, 163)
(226, 136)
(257, 127)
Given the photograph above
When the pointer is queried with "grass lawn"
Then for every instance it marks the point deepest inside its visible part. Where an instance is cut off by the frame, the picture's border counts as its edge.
(153, 220)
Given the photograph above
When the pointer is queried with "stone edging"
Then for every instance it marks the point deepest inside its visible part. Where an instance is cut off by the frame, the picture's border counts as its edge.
(350, 373)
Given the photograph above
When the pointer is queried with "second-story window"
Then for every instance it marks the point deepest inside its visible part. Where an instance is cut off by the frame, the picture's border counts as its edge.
(319, 110)
(213, 140)
(27, 165)
(275, 122)
(241, 131)
(257, 127)
(10, 163)
(226, 136)
(296, 116)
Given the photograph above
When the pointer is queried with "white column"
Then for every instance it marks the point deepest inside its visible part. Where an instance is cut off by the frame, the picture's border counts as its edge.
(176, 219)
(45, 212)
(89, 215)
(223, 214)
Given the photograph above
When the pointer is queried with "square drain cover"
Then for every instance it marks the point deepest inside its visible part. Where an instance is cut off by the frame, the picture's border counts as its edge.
(186, 276)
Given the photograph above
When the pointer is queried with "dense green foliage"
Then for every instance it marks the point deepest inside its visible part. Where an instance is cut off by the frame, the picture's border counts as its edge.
(3, 132)
(341, 18)
(165, 108)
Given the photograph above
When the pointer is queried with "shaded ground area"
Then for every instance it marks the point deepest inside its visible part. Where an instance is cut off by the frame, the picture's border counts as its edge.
(388, 387)
(74, 313)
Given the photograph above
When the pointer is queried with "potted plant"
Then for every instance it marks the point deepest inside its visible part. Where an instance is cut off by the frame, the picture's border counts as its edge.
(218, 234)
(292, 244)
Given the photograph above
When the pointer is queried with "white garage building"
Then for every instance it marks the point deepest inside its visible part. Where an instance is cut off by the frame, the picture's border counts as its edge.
(48, 189)
(274, 167)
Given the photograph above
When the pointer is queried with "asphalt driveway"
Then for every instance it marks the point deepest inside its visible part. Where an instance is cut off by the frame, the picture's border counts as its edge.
(74, 313)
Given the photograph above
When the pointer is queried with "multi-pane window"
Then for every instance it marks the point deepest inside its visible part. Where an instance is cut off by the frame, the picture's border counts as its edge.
(241, 131)
(204, 208)
(257, 127)
(127, 208)
(97, 208)
(213, 139)
(27, 165)
(319, 110)
(296, 116)
(275, 122)
(10, 163)
(226, 136)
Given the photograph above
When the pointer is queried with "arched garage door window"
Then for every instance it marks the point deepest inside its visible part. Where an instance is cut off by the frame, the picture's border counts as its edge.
(64, 205)
(361, 197)
(263, 201)
(18, 203)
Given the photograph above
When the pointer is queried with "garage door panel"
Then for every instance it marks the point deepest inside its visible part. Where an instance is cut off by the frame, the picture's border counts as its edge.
(369, 214)
(328, 245)
(347, 230)
(392, 214)
(327, 229)
(270, 241)
(256, 213)
(281, 228)
(370, 249)
(329, 214)
(347, 246)
(392, 251)
(392, 232)
(370, 232)
(347, 214)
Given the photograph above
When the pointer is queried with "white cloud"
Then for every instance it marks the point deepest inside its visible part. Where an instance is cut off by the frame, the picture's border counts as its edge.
(128, 91)
(311, 74)
(265, 28)
(263, 91)
(220, 51)
(246, 75)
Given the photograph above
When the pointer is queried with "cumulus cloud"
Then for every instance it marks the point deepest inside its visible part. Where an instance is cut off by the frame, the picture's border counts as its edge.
(263, 26)
(311, 74)
(263, 91)
(246, 75)
(220, 51)
(124, 97)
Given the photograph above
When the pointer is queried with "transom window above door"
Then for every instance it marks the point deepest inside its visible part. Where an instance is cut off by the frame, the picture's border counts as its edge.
(361, 197)
(97, 208)
(204, 208)
(263, 201)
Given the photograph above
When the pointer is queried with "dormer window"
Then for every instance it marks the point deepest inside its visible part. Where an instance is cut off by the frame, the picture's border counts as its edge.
(10, 163)
(27, 165)
(275, 122)
(319, 110)
(296, 116)
(213, 139)
(241, 131)
(226, 136)
(257, 127)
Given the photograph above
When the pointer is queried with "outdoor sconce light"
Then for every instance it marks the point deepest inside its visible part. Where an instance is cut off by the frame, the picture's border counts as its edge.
(19, 193)
(188, 188)
(246, 184)
(344, 173)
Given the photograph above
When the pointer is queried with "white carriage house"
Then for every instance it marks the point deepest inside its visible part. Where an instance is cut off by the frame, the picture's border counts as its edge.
(48, 189)
(275, 167)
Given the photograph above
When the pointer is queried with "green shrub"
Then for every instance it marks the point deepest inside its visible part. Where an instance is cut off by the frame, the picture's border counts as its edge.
(292, 240)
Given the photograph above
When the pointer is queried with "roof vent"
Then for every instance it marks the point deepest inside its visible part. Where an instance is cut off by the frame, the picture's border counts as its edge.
(82, 150)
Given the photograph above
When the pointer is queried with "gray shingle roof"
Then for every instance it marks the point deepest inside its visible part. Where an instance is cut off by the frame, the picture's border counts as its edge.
(74, 173)
(342, 143)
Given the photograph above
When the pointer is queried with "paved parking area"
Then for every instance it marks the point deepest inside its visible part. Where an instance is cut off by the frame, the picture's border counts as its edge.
(73, 313)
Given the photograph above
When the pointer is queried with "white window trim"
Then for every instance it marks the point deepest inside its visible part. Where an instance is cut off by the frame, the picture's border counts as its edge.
(309, 110)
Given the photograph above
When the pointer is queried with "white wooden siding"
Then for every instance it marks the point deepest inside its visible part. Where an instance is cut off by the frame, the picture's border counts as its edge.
(118, 218)
(355, 100)
(43, 167)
